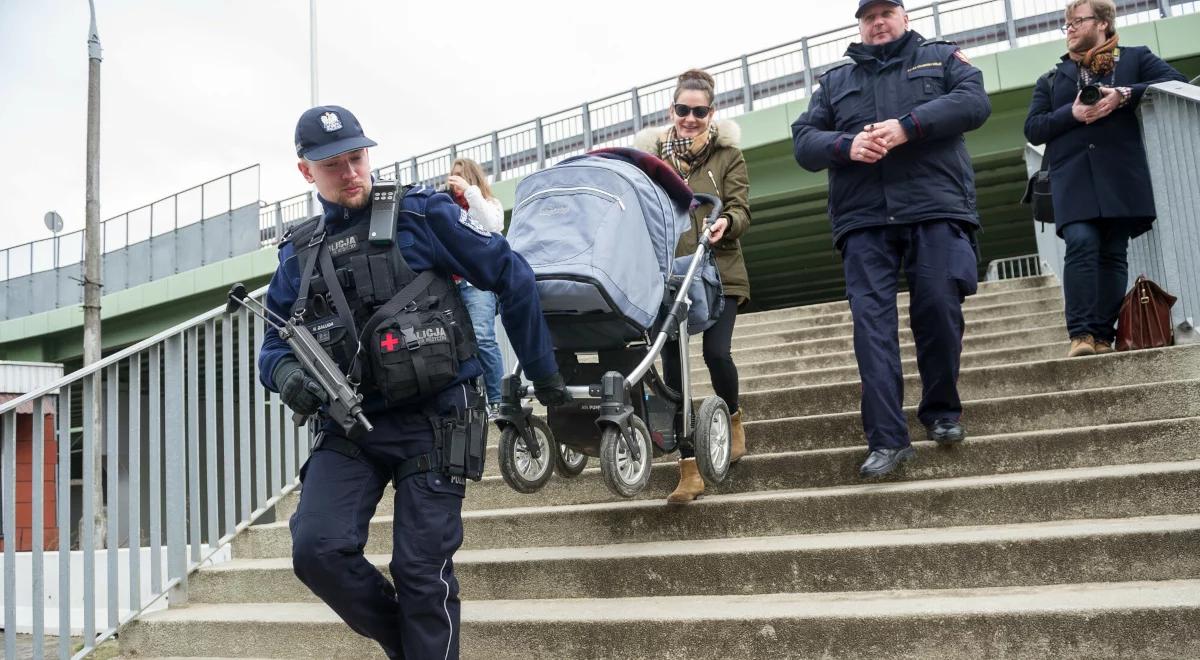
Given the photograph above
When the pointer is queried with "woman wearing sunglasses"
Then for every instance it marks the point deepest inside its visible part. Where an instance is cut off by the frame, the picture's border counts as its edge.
(705, 153)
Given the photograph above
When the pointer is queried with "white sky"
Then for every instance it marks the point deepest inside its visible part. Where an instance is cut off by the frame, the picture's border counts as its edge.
(195, 89)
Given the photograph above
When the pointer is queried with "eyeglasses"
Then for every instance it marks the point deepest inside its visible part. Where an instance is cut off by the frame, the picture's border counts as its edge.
(699, 112)
(1076, 22)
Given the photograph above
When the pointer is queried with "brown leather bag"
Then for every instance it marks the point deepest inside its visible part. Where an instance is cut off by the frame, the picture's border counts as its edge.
(1145, 318)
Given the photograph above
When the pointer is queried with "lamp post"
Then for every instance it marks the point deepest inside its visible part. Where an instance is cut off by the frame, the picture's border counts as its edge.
(92, 272)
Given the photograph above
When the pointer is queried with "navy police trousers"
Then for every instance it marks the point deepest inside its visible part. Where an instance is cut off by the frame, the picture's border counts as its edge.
(416, 614)
(938, 259)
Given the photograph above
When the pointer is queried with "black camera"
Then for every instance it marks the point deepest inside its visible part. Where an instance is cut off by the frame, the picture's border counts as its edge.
(1090, 94)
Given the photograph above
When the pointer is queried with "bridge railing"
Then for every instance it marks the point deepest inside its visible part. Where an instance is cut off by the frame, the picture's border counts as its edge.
(765, 78)
(220, 195)
(186, 450)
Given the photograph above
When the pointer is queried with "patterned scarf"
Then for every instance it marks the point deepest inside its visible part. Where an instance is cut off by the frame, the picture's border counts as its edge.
(1100, 61)
(683, 153)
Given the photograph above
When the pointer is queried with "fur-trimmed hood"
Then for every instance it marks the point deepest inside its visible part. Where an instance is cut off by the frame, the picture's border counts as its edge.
(729, 134)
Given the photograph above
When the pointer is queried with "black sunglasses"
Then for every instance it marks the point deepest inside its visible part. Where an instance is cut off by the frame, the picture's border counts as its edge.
(699, 112)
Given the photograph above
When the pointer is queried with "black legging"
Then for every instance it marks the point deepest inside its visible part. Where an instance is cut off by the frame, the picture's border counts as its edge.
(718, 341)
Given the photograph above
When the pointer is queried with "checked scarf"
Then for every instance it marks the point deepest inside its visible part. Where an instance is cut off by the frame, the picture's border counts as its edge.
(683, 153)
(1100, 61)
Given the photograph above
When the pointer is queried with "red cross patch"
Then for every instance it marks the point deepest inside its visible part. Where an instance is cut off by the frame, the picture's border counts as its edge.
(389, 343)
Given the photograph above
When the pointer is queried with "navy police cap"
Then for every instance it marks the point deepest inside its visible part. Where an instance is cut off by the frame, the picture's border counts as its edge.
(863, 4)
(327, 131)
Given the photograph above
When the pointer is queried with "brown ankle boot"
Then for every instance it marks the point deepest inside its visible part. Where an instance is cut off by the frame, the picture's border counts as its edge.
(1082, 345)
(690, 484)
(737, 444)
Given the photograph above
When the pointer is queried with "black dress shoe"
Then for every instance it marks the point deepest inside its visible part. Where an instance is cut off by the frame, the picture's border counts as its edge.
(947, 432)
(885, 461)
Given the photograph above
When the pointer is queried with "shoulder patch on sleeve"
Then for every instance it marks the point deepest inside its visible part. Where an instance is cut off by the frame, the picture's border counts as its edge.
(962, 57)
(465, 219)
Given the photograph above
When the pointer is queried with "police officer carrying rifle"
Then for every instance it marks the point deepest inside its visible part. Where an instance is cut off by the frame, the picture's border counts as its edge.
(889, 128)
(370, 278)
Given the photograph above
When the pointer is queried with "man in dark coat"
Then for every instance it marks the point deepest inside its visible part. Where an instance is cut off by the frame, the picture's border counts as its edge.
(898, 205)
(1099, 180)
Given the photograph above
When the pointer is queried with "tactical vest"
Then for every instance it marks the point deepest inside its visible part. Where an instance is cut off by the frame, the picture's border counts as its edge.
(391, 330)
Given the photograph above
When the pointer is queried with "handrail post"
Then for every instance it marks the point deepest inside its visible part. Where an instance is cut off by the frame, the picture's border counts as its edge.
(808, 76)
(586, 117)
(1164, 8)
(747, 86)
(937, 21)
(453, 153)
(495, 156)
(1010, 23)
(541, 144)
(278, 222)
(412, 164)
(636, 110)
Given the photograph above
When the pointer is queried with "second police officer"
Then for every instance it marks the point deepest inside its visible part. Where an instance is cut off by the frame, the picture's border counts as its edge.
(889, 128)
(416, 359)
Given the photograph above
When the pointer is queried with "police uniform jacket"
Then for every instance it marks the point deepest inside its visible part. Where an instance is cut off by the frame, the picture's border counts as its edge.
(1098, 170)
(433, 233)
(936, 95)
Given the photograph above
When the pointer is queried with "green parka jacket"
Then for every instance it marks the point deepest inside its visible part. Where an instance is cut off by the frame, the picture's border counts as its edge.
(722, 174)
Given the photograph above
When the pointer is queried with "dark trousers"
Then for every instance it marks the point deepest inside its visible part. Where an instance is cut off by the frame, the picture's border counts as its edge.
(1095, 272)
(718, 356)
(416, 614)
(938, 260)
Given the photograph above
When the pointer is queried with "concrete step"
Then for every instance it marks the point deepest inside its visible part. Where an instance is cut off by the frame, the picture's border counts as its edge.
(1014, 414)
(1169, 488)
(1118, 550)
(990, 293)
(1150, 619)
(1140, 442)
(1050, 302)
(776, 399)
(760, 375)
(1132, 414)
(981, 327)
(1019, 336)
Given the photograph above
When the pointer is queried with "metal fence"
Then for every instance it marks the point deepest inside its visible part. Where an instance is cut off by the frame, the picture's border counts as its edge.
(1029, 265)
(766, 78)
(194, 449)
(220, 195)
(1169, 253)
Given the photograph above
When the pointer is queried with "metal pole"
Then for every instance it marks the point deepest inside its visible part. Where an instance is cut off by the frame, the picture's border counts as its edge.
(92, 269)
(636, 108)
(1164, 8)
(937, 21)
(312, 50)
(586, 117)
(808, 76)
(541, 145)
(1010, 23)
(747, 86)
(495, 158)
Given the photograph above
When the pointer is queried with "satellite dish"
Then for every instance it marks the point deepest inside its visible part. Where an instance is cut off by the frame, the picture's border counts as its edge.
(54, 221)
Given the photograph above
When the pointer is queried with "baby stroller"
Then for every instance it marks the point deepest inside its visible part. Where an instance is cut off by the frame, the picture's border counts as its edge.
(600, 232)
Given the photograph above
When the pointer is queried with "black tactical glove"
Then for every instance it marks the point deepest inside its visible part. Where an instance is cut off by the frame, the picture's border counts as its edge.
(298, 390)
(551, 390)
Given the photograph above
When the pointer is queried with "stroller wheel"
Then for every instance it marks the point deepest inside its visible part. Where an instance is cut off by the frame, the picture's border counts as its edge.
(622, 474)
(712, 439)
(521, 471)
(569, 463)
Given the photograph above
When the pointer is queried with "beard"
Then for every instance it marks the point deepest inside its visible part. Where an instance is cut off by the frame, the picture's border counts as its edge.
(1085, 43)
(356, 201)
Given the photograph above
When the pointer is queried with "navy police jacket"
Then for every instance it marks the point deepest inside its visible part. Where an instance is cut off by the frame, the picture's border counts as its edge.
(1098, 170)
(936, 95)
(433, 234)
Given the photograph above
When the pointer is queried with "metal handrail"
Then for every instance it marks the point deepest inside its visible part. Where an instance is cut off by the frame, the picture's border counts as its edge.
(208, 423)
(56, 242)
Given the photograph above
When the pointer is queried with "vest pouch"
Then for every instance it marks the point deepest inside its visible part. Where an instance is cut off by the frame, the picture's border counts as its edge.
(331, 334)
(413, 355)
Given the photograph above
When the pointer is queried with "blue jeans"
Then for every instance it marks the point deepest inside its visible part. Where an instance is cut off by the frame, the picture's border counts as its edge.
(1095, 272)
(481, 305)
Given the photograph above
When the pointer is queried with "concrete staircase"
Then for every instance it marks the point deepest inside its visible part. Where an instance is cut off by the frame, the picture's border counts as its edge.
(1068, 524)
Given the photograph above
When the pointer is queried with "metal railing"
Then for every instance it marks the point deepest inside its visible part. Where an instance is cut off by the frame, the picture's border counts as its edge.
(762, 79)
(194, 450)
(220, 195)
(1169, 253)
(1029, 265)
